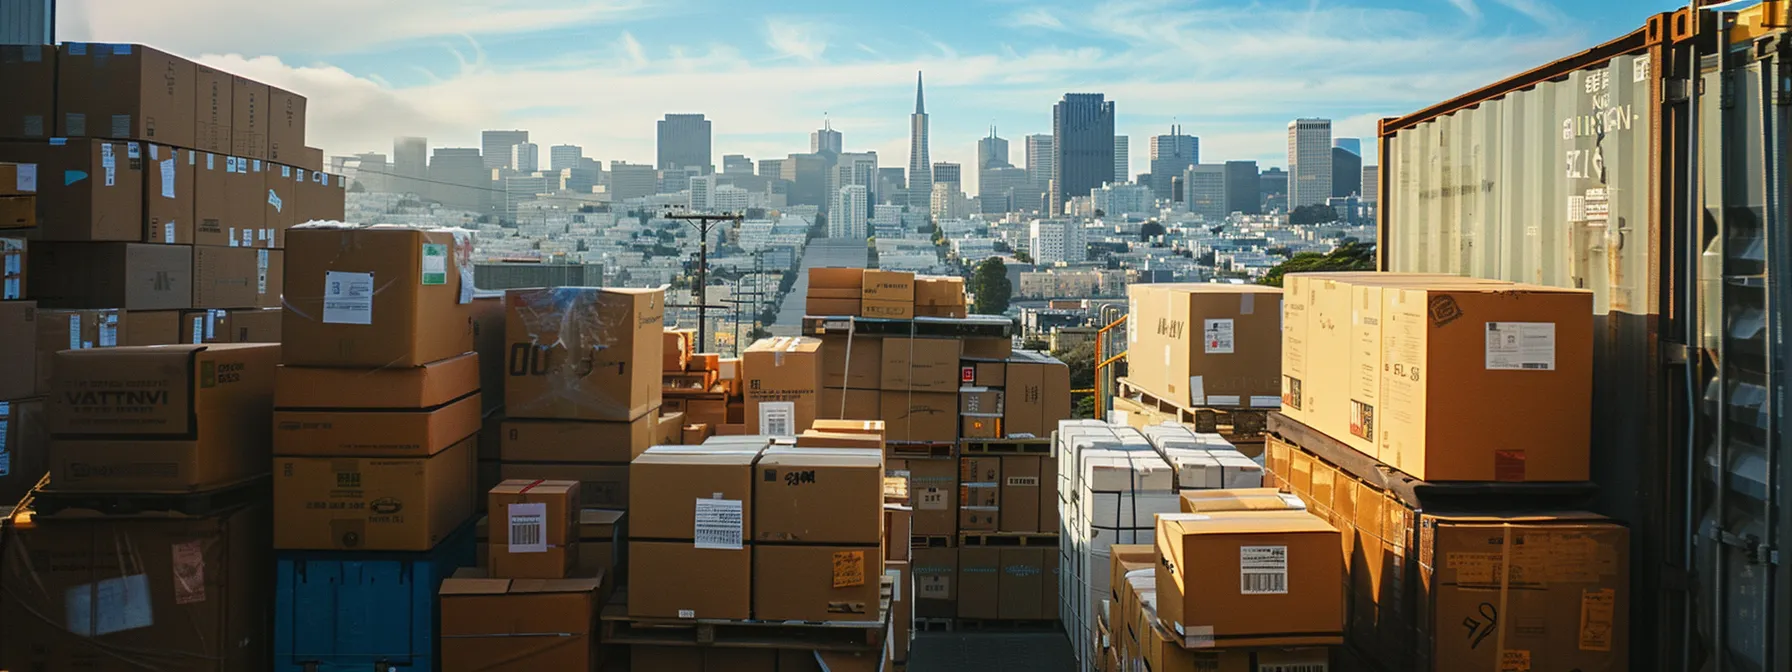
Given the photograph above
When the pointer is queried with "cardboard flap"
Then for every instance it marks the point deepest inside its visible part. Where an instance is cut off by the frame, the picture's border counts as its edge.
(599, 516)
(536, 586)
(533, 487)
(458, 585)
(822, 457)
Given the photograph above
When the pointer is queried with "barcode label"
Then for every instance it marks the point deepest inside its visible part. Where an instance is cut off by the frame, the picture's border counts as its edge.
(1292, 667)
(1521, 346)
(528, 527)
(1263, 570)
(718, 524)
(777, 418)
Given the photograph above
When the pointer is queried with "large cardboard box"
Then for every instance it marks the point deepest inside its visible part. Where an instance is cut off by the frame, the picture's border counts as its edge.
(816, 583)
(783, 379)
(513, 625)
(251, 117)
(936, 582)
(19, 348)
(583, 353)
(161, 327)
(887, 310)
(1020, 500)
(701, 493)
(600, 542)
(920, 416)
(1021, 588)
(25, 447)
(601, 485)
(213, 104)
(816, 439)
(1037, 396)
(1250, 578)
(66, 329)
(134, 276)
(576, 440)
(168, 195)
(99, 195)
(373, 503)
(675, 579)
(1206, 344)
(280, 210)
(227, 277)
(836, 283)
(920, 365)
(161, 418)
(819, 496)
(938, 290)
(248, 325)
(816, 305)
(991, 347)
(213, 221)
(246, 203)
(838, 404)
(933, 491)
(124, 91)
(1048, 494)
(433, 384)
(979, 493)
(374, 297)
(411, 411)
(286, 126)
(28, 75)
(1297, 298)
(896, 286)
(190, 589)
(979, 582)
(864, 369)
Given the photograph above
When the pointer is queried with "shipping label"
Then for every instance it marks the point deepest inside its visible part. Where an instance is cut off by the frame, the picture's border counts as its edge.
(1521, 346)
(189, 572)
(348, 298)
(528, 527)
(108, 606)
(1218, 335)
(435, 264)
(849, 569)
(719, 524)
(777, 418)
(932, 499)
(1263, 570)
(1596, 609)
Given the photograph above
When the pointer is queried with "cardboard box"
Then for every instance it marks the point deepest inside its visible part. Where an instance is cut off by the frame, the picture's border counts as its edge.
(695, 434)
(902, 607)
(865, 369)
(933, 492)
(694, 493)
(1217, 343)
(887, 310)
(816, 583)
(28, 75)
(936, 582)
(854, 405)
(988, 347)
(920, 365)
(980, 401)
(286, 126)
(20, 350)
(175, 418)
(250, 118)
(815, 305)
(674, 579)
(836, 279)
(18, 212)
(533, 529)
(939, 291)
(1020, 500)
(225, 277)
(213, 104)
(921, 416)
(213, 221)
(246, 203)
(248, 325)
(14, 260)
(168, 195)
(1250, 578)
(979, 493)
(280, 209)
(675, 351)
(668, 429)
(373, 503)
(341, 309)
(1020, 590)
(577, 353)
(814, 439)
(600, 542)
(135, 276)
(1037, 396)
(99, 197)
(1243, 499)
(124, 91)
(896, 286)
(865, 427)
(819, 496)
(59, 329)
(1048, 495)
(555, 562)
(160, 327)
(488, 341)
(600, 485)
(979, 582)
(512, 625)
(983, 374)
(899, 527)
(25, 448)
(980, 428)
(57, 612)
(783, 377)
(433, 384)
(375, 432)
(941, 311)
(576, 440)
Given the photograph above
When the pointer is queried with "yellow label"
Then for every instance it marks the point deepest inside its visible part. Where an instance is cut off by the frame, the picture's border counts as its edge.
(849, 569)
(1515, 660)
(1596, 607)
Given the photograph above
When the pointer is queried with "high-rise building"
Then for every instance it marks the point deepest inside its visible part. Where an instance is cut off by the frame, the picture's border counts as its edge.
(1205, 185)
(808, 178)
(519, 189)
(1122, 160)
(858, 168)
(1347, 171)
(631, 181)
(496, 146)
(889, 182)
(948, 173)
(1353, 145)
(1053, 240)
(702, 189)
(736, 164)
(1083, 144)
(729, 198)
(1121, 199)
(920, 167)
(525, 157)
(372, 171)
(410, 165)
(992, 152)
(562, 157)
(1309, 162)
(948, 203)
(851, 210)
(826, 139)
(1371, 184)
(1273, 184)
(458, 178)
(1004, 189)
(1041, 157)
(684, 142)
(1244, 189)
(772, 168)
(1170, 156)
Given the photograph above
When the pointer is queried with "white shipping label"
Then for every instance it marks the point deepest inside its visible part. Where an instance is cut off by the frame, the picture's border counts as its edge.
(932, 499)
(348, 298)
(777, 418)
(274, 200)
(1266, 401)
(435, 264)
(1197, 391)
(1310, 666)
(1223, 400)
(1218, 336)
(933, 586)
(199, 327)
(896, 581)
(528, 527)
(111, 605)
(74, 331)
(1521, 346)
(231, 236)
(168, 233)
(719, 524)
(1263, 570)
(261, 271)
(27, 180)
(168, 177)
(687, 613)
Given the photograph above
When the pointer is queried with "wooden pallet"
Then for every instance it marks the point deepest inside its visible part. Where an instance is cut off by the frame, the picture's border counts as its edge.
(1005, 446)
(1234, 423)
(935, 625)
(1024, 539)
(863, 636)
(47, 501)
(1009, 624)
(930, 541)
(920, 450)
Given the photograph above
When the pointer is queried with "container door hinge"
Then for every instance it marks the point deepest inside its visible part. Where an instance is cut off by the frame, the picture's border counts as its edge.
(1673, 91)
(1758, 553)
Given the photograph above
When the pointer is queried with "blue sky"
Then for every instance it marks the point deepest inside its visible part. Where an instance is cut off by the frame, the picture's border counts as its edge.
(599, 73)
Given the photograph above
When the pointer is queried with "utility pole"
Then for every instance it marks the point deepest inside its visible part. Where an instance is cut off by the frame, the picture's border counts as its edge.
(704, 223)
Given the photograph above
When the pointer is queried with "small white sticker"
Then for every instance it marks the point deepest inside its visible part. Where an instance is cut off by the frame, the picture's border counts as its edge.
(200, 324)
(528, 527)
(168, 232)
(1197, 391)
(1218, 337)
(168, 177)
(1263, 570)
(74, 331)
(231, 236)
(27, 178)
(932, 499)
(348, 298)
(687, 613)
(435, 264)
(1266, 401)
(261, 271)
(777, 418)
(719, 524)
(1521, 346)
(274, 200)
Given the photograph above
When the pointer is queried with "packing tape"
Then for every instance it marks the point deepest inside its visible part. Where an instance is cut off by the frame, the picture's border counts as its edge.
(530, 486)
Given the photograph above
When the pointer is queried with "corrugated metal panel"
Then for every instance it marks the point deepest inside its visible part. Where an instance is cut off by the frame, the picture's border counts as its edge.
(27, 21)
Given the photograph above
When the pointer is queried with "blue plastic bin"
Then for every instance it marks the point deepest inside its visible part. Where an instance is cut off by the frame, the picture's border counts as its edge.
(337, 611)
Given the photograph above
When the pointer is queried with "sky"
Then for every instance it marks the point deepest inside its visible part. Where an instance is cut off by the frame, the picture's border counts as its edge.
(598, 73)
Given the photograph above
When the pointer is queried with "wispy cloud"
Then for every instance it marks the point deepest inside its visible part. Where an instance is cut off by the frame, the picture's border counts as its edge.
(795, 38)
(1469, 8)
(1035, 17)
(1540, 11)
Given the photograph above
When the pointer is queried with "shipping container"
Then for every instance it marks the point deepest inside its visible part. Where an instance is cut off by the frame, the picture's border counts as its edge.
(1588, 173)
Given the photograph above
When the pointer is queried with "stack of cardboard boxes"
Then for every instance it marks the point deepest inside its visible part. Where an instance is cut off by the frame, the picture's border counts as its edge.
(704, 387)
(22, 441)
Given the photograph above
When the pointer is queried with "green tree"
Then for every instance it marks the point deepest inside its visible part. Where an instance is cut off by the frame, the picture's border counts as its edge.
(1085, 407)
(990, 284)
(1312, 214)
(758, 333)
(1350, 255)
(1022, 257)
(1150, 230)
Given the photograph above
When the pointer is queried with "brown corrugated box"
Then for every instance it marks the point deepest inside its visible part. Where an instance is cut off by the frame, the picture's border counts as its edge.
(675, 351)
(1250, 578)
(1021, 501)
(134, 276)
(600, 540)
(250, 117)
(783, 378)
(382, 309)
(213, 221)
(980, 401)
(887, 310)
(819, 495)
(583, 353)
(576, 440)
(168, 195)
(920, 365)
(936, 582)
(674, 579)
(373, 503)
(28, 75)
(161, 418)
(98, 194)
(246, 203)
(920, 416)
(837, 404)
(61, 329)
(1037, 395)
(368, 432)
(1048, 494)
(816, 583)
(988, 347)
(816, 305)
(979, 428)
(523, 513)
(668, 482)
(1207, 344)
(161, 327)
(815, 439)
(603, 485)
(838, 281)
(668, 429)
(899, 527)
(939, 291)
(865, 427)
(1242, 499)
(225, 277)
(512, 625)
(979, 582)
(431, 384)
(281, 210)
(983, 374)
(979, 493)
(213, 102)
(863, 372)
(18, 211)
(245, 325)
(125, 91)
(933, 492)
(20, 350)
(25, 447)
(286, 126)
(1022, 589)
(898, 286)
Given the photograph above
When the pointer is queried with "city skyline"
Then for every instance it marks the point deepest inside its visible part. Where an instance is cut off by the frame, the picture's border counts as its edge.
(448, 70)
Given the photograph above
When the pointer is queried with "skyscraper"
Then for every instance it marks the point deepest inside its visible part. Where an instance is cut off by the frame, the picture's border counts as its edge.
(562, 157)
(1273, 184)
(1170, 155)
(1083, 144)
(458, 178)
(851, 168)
(1206, 190)
(1309, 162)
(526, 157)
(1040, 159)
(1053, 240)
(948, 173)
(684, 142)
(850, 212)
(1347, 167)
(1003, 188)
(808, 177)
(920, 167)
(826, 139)
(1244, 189)
(703, 189)
(992, 152)
(629, 181)
(736, 164)
(496, 145)
(410, 164)
(772, 168)
(1353, 145)
(1371, 184)
(1122, 161)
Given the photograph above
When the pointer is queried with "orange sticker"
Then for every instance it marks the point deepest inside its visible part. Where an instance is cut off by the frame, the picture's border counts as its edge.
(849, 569)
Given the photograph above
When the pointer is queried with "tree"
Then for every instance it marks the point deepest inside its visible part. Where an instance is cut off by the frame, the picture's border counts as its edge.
(990, 284)
(1350, 255)
(1022, 257)
(1150, 230)
(758, 333)
(1312, 214)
